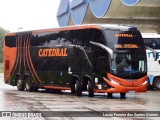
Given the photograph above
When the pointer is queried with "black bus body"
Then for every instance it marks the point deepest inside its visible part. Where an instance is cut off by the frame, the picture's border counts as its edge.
(93, 58)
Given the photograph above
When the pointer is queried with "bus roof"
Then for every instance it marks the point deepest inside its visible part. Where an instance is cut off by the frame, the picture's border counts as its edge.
(97, 26)
(120, 27)
(150, 35)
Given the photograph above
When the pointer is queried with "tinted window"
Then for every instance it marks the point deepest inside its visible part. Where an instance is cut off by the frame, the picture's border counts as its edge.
(84, 36)
(45, 39)
(10, 41)
(153, 43)
(74, 37)
(51, 39)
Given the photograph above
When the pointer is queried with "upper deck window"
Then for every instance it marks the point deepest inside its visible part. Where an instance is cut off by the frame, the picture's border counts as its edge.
(153, 43)
(124, 40)
(79, 37)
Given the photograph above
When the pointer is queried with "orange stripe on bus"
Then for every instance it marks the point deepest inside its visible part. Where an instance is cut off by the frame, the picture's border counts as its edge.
(55, 87)
(30, 60)
(27, 45)
(24, 52)
(20, 51)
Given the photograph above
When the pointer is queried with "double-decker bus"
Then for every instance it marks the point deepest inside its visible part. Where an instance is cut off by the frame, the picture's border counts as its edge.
(94, 58)
(152, 40)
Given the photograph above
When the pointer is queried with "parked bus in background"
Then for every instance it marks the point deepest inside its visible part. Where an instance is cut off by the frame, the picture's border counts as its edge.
(152, 40)
(94, 58)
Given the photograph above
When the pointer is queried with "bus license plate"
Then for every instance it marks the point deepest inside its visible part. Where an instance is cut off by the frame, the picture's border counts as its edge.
(131, 91)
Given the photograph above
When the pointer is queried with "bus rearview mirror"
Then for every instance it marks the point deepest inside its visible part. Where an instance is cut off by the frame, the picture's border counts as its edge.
(154, 52)
(107, 49)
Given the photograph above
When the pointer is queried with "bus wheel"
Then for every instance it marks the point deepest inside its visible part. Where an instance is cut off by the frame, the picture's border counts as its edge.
(20, 84)
(28, 85)
(78, 88)
(34, 89)
(90, 89)
(123, 95)
(109, 95)
(73, 90)
(157, 83)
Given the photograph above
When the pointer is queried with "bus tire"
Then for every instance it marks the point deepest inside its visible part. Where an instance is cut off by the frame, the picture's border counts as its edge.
(34, 89)
(20, 84)
(28, 85)
(90, 89)
(78, 88)
(157, 83)
(73, 90)
(123, 95)
(149, 87)
(109, 95)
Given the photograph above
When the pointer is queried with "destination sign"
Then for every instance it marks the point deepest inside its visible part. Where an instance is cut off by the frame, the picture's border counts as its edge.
(121, 46)
(124, 35)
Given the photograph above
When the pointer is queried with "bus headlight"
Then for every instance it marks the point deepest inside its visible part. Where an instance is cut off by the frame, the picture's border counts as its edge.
(114, 82)
(144, 83)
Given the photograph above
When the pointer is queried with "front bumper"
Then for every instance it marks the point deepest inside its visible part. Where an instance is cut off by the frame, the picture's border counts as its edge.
(121, 85)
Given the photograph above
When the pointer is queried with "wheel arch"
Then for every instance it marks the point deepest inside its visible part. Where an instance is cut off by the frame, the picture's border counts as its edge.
(155, 78)
(16, 78)
(22, 77)
(86, 78)
(26, 75)
(151, 79)
(74, 78)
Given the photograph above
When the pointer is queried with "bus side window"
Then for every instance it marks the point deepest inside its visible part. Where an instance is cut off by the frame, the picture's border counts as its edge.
(153, 43)
(10, 41)
(7, 65)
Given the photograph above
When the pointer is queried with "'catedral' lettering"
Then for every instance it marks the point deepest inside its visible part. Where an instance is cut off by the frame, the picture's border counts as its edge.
(56, 52)
(124, 35)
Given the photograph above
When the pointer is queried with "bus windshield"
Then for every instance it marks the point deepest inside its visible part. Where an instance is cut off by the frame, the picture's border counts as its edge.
(129, 65)
(129, 56)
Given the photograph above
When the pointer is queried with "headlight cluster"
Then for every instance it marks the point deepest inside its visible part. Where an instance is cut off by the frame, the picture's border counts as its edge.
(144, 83)
(114, 82)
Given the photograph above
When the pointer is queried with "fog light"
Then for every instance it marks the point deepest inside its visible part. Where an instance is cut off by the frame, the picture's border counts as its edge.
(144, 83)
